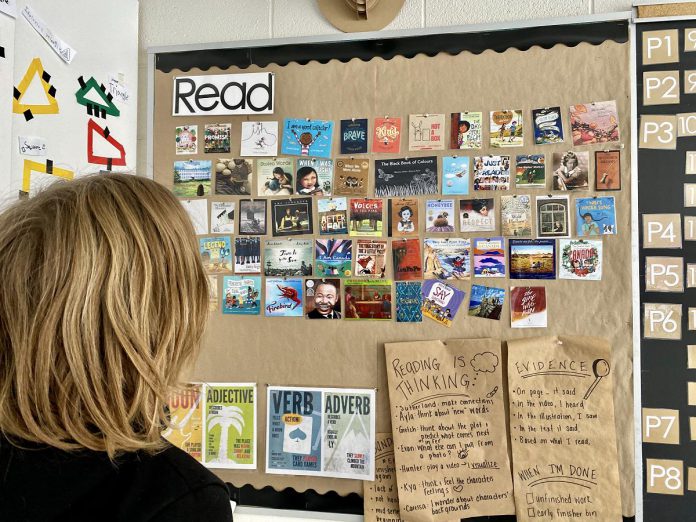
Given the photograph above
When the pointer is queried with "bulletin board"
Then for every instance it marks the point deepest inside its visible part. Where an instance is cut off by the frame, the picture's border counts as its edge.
(497, 70)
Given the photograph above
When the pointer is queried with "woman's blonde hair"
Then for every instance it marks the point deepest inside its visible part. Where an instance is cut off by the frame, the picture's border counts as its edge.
(103, 300)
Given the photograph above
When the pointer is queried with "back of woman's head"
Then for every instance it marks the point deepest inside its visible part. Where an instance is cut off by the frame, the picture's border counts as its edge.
(103, 300)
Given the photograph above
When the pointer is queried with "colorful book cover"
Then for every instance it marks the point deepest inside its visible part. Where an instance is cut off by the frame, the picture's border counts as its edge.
(489, 257)
(371, 258)
(528, 307)
(530, 171)
(234, 177)
(548, 125)
(218, 137)
(333, 216)
(197, 210)
(408, 302)
(259, 138)
(368, 299)
(403, 217)
(230, 425)
(213, 301)
(552, 216)
(466, 130)
(292, 217)
(285, 257)
(439, 215)
(570, 170)
(407, 259)
(486, 302)
(595, 216)
(455, 175)
(426, 132)
(247, 255)
(307, 138)
(492, 173)
(284, 297)
(406, 177)
(366, 217)
(506, 128)
(532, 258)
(441, 301)
(241, 295)
(334, 257)
(185, 430)
(608, 170)
(252, 217)
(446, 258)
(354, 136)
(222, 217)
(322, 299)
(314, 177)
(387, 137)
(516, 215)
(186, 139)
(192, 178)
(580, 259)
(351, 177)
(275, 177)
(477, 215)
(596, 122)
(216, 253)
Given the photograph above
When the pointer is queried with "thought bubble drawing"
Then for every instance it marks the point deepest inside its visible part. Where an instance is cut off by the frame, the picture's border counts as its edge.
(485, 362)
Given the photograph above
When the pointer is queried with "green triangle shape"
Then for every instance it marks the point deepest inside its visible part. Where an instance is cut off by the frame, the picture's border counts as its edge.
(108, 105)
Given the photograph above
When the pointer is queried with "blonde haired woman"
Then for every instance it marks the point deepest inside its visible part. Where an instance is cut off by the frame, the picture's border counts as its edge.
(103, 301)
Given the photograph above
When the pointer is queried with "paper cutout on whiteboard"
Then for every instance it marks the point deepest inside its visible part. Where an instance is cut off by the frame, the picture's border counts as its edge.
(9, 7)
(2, 51)
(92, 129)
(61, 48)
(94, 96)
(35, 71)
(37, 176)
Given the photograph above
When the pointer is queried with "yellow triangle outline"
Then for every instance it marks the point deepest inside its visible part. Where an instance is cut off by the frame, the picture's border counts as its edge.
(35, 67)
(34, 166)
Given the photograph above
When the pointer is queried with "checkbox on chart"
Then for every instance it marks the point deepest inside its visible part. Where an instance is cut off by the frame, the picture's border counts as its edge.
(530, 498)
(531, 513)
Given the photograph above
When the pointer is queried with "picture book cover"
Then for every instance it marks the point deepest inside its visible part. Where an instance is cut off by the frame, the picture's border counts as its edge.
(408, 302)
(406, 177)
(580, 259)
(570, 170)
(213, 302)
(368, 299)
(197, 210)
(186, 421)
(314, 177)
(477, 215)
(595, 216)
(455, 175)
(247, 255)
(406, 254)
(492, 173)
(307, 138)
(387, 135)
(284, 297)
(234, 177)
(528, 307)
(371, 258)
(426, 132)
(222, 217)
(446, 258)
(218, 137)
(186, 139)
(489, 257)
(216, 253)
(608, 170)
(241, 295)
(466, 130)
(486, 302)
(366, 217)
(403, 217)
(192, 178)
(292, 216)
(532, 258)
(354, 136)
(596, 122)
(530, 171)
(333, 216)
(351, 177)
(506, 128)
(334, 257)
(252, 217)
(287, 257)
(275, 177)
(552, 216)
(439, 215)
(516, 215)
(259, 138)
(441, 301)
(548, 125)
(322, 299)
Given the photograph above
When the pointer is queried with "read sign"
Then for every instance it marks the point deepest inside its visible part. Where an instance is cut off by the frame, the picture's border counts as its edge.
(223, 94)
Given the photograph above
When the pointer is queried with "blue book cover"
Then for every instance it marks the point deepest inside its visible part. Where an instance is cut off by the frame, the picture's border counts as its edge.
(241, 295)
(334, 257)
(284, 297)
(307, 138)
(548, 125)
(486, 302)
(455, 175)
(595, 216)
(354, 136)
(408, 302)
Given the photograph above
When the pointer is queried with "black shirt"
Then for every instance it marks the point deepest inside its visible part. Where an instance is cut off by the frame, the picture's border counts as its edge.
(53, 485)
